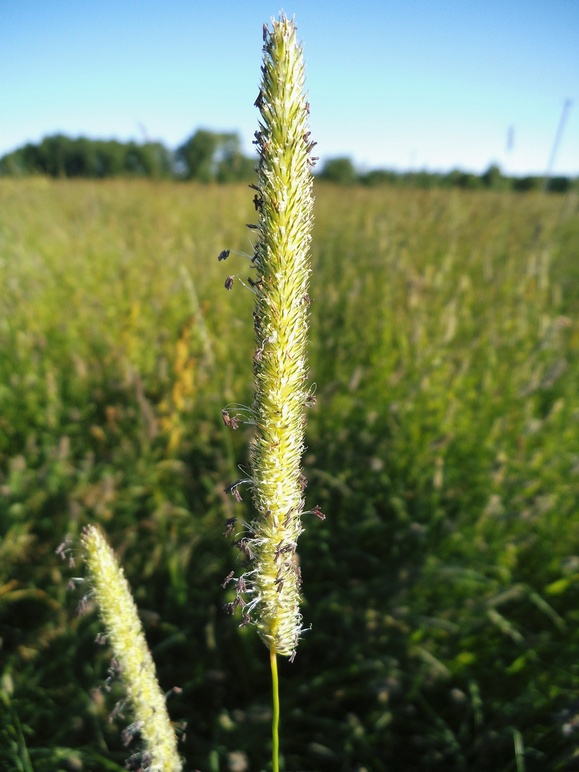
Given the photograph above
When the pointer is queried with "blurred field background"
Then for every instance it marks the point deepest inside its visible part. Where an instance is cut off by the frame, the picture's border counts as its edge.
(443, 588)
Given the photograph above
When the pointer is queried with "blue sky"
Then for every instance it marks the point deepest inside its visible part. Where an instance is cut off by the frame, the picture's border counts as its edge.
(403, 84)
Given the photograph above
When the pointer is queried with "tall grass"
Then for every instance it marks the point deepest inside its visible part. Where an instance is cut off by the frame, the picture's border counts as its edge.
(442, 589)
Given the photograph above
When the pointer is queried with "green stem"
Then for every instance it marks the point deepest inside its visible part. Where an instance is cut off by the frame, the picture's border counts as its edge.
(275, 718)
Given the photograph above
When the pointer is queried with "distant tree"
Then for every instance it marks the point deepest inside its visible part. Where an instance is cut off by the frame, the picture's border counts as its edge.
(196, 157)
(60, 156)
(231, 164)
(209, 156)
(137, 161)
(459, 179)
(81, 158)
(52, 155)
(493, 178)
(111, 158)
(23, 161)
(526, 184)
(339, 170)
(377, 177)
(424, 179)
(160, 160)
(150, 159)
(559, 184)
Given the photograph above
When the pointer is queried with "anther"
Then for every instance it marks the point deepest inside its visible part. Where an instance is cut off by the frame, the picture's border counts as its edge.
(259, 353)
(233, 489)
(243, 546)
(229, 526)
(232, 423)
(82, 606)
(318, 512)
(227, 579)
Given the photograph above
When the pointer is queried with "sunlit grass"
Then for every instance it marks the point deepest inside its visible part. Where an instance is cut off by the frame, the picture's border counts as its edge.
(442, 588)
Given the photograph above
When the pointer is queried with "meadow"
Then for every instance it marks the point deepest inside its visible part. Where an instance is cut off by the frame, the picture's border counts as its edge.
(442, 590)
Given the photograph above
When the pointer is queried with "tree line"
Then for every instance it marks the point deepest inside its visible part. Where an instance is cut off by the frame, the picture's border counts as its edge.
(342, 171)
(209, 156)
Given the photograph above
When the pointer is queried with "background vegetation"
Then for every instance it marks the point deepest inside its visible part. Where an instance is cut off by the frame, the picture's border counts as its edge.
(442, 589)
(209, 156)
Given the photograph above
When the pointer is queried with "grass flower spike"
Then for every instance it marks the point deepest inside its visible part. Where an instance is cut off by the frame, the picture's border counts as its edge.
(284, 203)
(120, 617)
(269, 592)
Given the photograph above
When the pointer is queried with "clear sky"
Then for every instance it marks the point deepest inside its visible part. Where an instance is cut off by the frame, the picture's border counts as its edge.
(403, 84)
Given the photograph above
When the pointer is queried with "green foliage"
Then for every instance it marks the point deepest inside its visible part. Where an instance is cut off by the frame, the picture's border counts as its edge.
(377, 177)
(339, 170)
(197, 155)
(60, 156)
(442, 588)
(342, 172)
(206, 157)
(493, 178)
(209, 156)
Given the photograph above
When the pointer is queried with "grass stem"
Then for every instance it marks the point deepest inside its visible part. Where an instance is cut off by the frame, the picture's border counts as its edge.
(275, 717)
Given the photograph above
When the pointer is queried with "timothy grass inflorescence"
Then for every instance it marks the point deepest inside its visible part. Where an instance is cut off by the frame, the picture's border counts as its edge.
(132, 656)
(284, 203)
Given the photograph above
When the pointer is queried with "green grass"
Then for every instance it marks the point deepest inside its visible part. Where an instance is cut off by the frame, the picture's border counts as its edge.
(444, 447)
